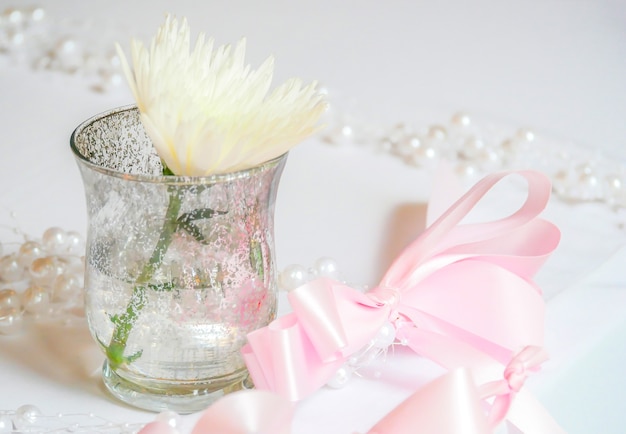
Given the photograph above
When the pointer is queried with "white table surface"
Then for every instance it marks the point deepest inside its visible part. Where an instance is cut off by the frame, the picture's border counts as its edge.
(557, 67)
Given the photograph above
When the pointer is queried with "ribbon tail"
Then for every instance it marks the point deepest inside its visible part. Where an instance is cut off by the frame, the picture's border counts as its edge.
(158, 427)
(245, 412)
(447, 405)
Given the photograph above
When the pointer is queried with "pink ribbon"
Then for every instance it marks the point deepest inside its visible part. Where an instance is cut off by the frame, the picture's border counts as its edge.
(453, 398)
(244, 412)
(457, 290)
(447, 405)
(502, 382)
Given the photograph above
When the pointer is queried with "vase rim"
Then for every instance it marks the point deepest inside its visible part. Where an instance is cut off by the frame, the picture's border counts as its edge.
(160, 179)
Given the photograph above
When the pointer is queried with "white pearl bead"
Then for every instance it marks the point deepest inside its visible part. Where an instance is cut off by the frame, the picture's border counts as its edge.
(35, 299)
(26, 416)
(44, 270)
(560, 181)
(437, 132)
(526, 135)
(115, 79)
(53, 239)
(466, 169)
(473, 147)
(10, 321)
(385, 336)
(426, 153)
(114, 60)
(398, 133)
(15, 16)
(10, 269)
(411, 143)
(38, 14)
(615, 193)
(28, 252)
(347, 131)
(67, 45)
(489, 156)
(293, 276)
(326, 267)
(65, 286)
(589, 186)
(9, 299)
(341, 378)
(615, 183)
(461, 119)
(6, 424)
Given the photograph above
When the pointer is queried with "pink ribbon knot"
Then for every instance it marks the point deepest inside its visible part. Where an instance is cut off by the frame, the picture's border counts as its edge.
(516, 377)
(518, 369)
(389, 298)
(457, 290)
(385, 296)
(515, 374)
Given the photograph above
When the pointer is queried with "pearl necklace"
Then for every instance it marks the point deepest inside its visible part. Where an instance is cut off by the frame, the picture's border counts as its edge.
(578, 175)
(42, 281)
(29, 419)
(28, 36)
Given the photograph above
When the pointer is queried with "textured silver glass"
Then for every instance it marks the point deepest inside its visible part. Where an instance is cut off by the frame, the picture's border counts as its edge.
(178, 270)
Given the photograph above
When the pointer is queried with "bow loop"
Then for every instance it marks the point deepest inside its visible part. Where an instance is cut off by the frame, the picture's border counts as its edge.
(328, 312)
(447, 241)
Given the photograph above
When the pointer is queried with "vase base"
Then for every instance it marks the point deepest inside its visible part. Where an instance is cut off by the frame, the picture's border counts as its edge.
(181, 397)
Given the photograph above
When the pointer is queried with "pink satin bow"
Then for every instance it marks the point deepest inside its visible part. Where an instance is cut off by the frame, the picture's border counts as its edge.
(456, 286)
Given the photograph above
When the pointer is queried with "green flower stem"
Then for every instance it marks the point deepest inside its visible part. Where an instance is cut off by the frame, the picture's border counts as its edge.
(123, 324)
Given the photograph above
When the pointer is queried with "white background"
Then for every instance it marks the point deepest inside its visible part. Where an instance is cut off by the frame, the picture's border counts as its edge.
(555, 66)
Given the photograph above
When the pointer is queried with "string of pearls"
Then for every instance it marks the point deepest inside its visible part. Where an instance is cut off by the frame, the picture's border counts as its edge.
(83, 48)
(42, 281)
(29, 419)
(578, 175)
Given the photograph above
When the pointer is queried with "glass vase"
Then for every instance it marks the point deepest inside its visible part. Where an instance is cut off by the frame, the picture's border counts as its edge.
(178, 270)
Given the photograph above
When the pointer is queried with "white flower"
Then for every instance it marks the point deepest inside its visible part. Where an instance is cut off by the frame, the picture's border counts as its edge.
(208, 112)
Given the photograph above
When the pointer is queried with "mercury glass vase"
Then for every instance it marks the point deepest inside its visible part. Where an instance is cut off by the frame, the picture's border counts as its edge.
(178, 270)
